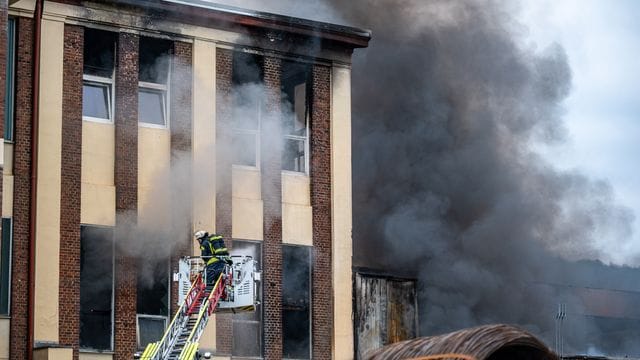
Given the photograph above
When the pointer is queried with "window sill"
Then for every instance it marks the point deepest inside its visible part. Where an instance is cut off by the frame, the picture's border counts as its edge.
(97, 120)
(93, 351)
(152, 126)
(295, 173)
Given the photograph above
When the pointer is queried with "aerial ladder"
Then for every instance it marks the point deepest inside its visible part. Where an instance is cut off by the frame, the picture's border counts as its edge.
(234, 291)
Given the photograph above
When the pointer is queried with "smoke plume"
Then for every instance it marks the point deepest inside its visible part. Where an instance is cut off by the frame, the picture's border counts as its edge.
(448, 107)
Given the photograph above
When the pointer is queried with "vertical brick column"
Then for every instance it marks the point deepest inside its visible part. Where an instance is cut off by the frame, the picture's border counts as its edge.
(181, 84)
(271, 169)
(224, 68)
(22, 191)
(69, 292)
(322, 302)
(126, 181)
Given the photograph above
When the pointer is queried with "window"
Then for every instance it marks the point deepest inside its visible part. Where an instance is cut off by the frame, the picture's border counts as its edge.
(96, 288)
(295, 117)
(153, 82)
(152, 302)
(98, 75)
(5, 266)
(247, 327)
(9, 95)
(296, 295)
(246, 109)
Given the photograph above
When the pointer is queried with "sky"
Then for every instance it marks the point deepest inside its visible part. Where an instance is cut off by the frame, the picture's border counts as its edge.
(601, 39)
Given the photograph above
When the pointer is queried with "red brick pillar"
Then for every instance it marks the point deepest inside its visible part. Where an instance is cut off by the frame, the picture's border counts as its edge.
(322, 302)
(224, 60)
(181, 84)
(22, 191)
(126, 181)
(271, 168)
(69, 291)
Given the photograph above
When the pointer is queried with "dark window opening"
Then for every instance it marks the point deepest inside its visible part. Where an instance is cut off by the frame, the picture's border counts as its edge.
(295, 116)
(296, 301)
(96, 288)
(247, 327)
(98, 75)
(153, 81)
(246, 108)
(9, 95)
(154, 60)
(152, 302)
(5, 265)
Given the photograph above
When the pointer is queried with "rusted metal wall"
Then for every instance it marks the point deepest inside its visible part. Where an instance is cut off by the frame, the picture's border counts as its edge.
(385, 311)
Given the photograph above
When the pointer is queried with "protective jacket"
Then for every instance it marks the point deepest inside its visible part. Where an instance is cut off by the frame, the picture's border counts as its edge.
(213, 249)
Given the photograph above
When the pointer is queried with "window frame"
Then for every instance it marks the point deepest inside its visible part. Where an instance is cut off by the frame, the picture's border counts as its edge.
(310, 292)
(113, 291)
(260, 308)
(307, 120)
(162, 89)
(256, 132)
(10, 88)
(8, 265)
(152, 316)
(101, 81)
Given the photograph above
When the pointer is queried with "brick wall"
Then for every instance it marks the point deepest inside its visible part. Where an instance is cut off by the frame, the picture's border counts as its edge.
(69, 291)
(224, 59)
(322, 302)
(126, 181)
(22, 191)
(181, 83)
(271, 167)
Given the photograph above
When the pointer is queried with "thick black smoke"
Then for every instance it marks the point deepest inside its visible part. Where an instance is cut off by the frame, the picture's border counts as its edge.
(448, 107)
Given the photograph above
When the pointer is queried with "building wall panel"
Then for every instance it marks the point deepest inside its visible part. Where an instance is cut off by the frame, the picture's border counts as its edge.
(22, 191)
(322, 302)
(69, 292)
(223, 174)
(46, 312)
(126, 182)
(271, 165)
(341, 216)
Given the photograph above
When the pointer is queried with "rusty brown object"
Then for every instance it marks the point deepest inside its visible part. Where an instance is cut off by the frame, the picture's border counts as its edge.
(492, 342)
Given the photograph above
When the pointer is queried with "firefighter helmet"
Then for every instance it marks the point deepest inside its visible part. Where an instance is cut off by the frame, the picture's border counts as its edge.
(200, 234)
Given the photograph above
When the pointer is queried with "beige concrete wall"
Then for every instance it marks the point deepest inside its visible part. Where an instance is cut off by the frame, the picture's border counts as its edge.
(98, 191)
(48, 199)
(297, 215)
(4, 338)
(204, 155)
(247, 204)
(154, 162)
(95, 356)
(53, 354)
(341, 211)
(7, 180)
(7, 195)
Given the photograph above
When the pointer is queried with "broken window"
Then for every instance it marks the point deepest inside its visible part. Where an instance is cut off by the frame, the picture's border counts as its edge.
(5, 266)
(295, 117)
(96, 288)
(296, 302)
(246, 109)
(247, 326)
(98, 75)
(9, 95)
(152, 302)
(153, 81)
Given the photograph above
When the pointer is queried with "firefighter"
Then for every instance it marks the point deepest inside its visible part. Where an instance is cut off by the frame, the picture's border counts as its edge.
(214, 253)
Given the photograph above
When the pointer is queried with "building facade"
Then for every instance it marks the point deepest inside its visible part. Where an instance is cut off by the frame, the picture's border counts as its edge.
(131, 124)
